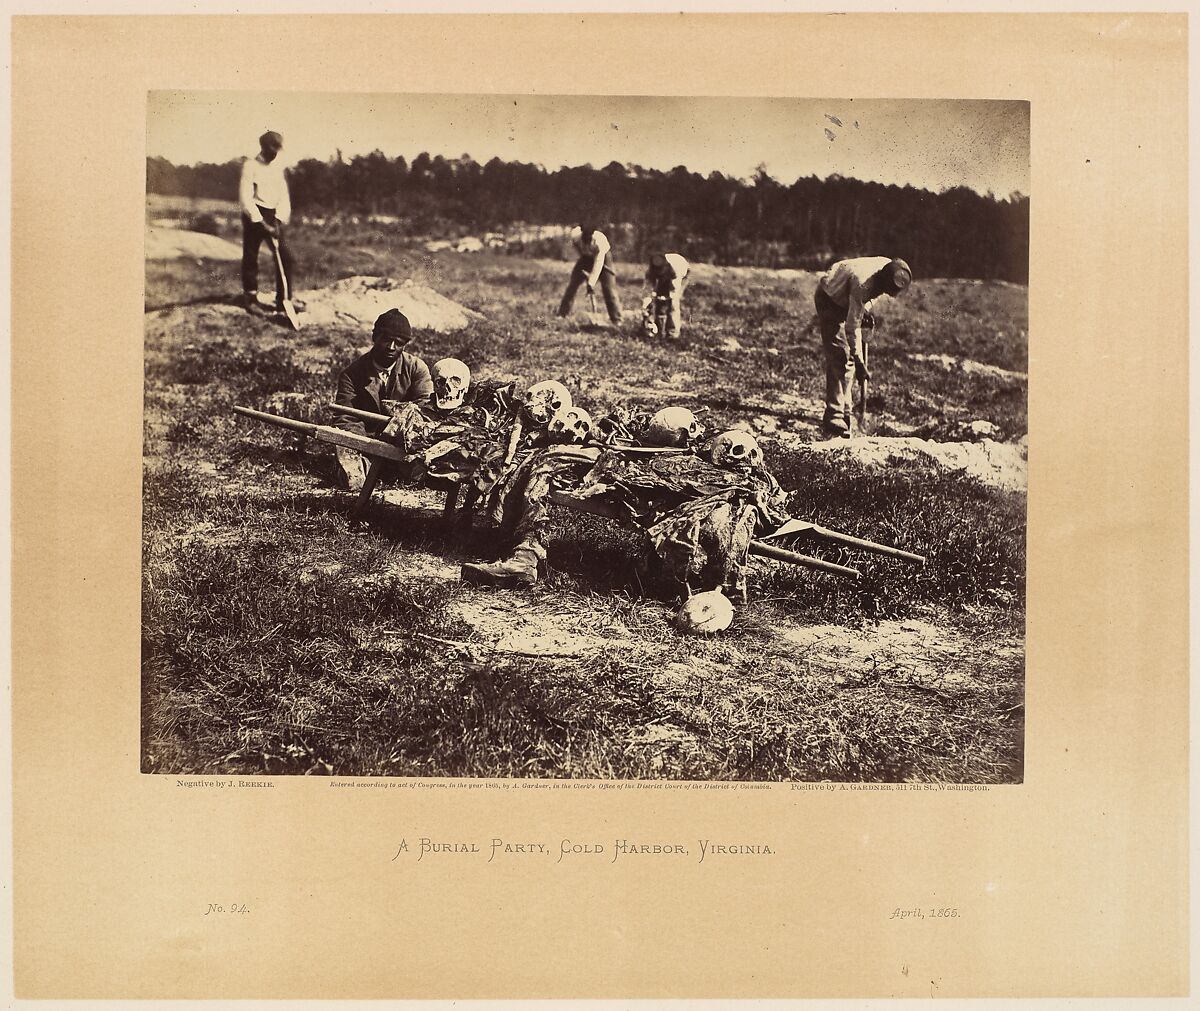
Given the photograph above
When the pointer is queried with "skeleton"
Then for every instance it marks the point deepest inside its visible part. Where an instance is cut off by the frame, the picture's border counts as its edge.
(543, 400)
(672, 426)
(572, 424)
(451, 378)
(736, 450)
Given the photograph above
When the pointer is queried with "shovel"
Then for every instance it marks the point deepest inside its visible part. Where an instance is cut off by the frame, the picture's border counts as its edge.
(289, 310)
(592, 319)
(862, 392)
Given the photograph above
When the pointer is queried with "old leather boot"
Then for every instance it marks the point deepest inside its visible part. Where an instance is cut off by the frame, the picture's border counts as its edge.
(519, 570)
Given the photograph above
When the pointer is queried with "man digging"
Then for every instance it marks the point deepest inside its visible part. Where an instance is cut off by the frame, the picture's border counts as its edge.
(666, 276)
(594, 267)
(843, 298)
(385, 373)
(266, 209)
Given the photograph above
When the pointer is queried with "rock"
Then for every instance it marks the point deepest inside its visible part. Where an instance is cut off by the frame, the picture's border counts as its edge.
(982, 430)
(765, 425)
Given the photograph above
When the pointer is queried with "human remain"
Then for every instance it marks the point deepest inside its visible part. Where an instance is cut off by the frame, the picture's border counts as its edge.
(386, 373)
(594, 267)
(843, 298)
(666, 277)
(266, 210)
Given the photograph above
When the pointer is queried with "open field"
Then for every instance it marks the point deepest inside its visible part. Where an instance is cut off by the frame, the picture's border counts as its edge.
(275, 640)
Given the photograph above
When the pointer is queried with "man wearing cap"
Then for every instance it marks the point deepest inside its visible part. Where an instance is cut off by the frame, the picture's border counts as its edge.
(666, 276)
(594, 266)
(385, 373)
(843, 298)
(266, 209)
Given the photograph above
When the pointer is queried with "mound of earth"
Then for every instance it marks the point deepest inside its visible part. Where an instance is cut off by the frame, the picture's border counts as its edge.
(971, 368)
(358, 301)
(998, 464)
(174, 243)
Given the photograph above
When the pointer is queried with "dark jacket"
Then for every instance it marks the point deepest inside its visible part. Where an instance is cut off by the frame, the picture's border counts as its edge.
(358, 386)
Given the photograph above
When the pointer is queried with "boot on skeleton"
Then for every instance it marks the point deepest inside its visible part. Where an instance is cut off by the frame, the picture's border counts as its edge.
(519, 569)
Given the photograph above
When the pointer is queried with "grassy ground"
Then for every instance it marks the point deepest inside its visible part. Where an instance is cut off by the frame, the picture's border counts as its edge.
(278, 641)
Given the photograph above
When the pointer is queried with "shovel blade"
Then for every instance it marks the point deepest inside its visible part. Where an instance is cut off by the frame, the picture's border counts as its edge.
(289, 311)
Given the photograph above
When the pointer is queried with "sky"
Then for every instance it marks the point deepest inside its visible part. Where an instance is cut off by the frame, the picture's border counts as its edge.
(932, 144)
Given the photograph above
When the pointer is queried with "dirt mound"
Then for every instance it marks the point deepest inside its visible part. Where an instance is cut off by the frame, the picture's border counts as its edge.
(358, 301)
(999, 464)
(971, 368)
(174, 243)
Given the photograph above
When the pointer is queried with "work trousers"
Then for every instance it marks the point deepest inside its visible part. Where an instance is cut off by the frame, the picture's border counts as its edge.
(608, 285)
(253, 234)
(839, 360)
(671, 289)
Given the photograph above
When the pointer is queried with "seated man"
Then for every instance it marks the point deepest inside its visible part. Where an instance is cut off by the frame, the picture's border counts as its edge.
(386, 373)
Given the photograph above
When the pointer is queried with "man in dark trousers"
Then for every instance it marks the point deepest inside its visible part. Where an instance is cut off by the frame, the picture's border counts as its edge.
(843, 299)
(594, 267)
(667, 276)
(266, 210)
(385, 373)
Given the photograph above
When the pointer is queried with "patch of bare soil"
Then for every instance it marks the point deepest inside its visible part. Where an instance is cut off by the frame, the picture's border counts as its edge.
(917, 651)
(998, 464)
(174, 243)
(659, 392)
(358, 301)
(511, 623)
(711, 272)
(951, 364)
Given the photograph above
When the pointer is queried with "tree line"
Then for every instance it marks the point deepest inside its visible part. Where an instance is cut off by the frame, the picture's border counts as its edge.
(715, 218)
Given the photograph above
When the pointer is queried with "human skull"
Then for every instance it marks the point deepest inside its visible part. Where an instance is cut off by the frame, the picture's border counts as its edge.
(705, 613)
(734, 450)
(450, 381)
(672, 426)
(545, 399)
(573, 424)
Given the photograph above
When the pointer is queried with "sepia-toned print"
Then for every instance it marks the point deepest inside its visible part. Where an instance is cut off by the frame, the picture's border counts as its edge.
(585, 437)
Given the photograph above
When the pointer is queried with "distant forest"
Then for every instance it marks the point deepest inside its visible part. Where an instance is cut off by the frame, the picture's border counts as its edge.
(713, 218)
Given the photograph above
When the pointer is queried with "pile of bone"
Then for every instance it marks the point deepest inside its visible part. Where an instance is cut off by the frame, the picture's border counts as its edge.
(549, 404)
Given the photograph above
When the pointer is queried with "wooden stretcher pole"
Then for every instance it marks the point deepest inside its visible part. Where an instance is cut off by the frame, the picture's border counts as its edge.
(857, 542)
(325, 433)
(354, 412)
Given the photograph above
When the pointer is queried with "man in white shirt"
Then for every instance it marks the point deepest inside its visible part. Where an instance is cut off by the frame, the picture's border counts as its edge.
(666, 276)
(843, 298)
(266, 209)
(594, 266)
